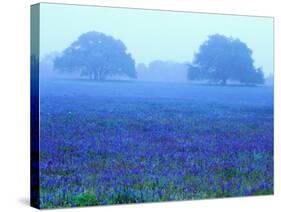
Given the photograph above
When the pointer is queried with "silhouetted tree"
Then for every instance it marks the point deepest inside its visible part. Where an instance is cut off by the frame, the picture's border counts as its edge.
(97, 56)
(221, 58)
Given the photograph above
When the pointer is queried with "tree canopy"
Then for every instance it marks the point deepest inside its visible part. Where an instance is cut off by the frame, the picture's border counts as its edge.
(222, 58)
(97, 56)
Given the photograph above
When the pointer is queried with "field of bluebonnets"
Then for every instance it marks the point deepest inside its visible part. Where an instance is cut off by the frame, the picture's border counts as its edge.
(122, 142)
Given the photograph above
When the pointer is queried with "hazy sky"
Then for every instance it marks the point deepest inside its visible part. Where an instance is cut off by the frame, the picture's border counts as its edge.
(151, 35)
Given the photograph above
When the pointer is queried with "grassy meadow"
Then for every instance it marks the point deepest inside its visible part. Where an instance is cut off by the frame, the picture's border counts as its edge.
(126, 142)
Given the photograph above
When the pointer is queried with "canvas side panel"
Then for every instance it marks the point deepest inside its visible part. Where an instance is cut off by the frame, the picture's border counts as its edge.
(34, 105)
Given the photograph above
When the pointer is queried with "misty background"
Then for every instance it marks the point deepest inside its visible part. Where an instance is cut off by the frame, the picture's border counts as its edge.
(160, 42)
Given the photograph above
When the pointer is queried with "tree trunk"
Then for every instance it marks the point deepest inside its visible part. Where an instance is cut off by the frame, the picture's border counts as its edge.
(102, 76)
(223, 82)
(96, 76)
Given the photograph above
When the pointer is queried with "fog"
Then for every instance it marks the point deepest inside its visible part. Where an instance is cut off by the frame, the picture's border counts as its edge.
(123, 113)
(160, 42)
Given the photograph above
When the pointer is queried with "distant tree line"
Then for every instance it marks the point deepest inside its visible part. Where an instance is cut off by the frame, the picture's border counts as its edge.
(219, 59)
(163, 71)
